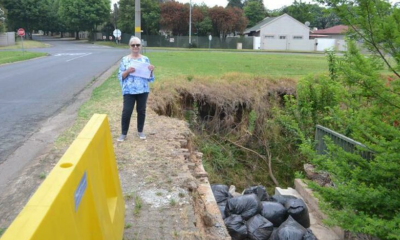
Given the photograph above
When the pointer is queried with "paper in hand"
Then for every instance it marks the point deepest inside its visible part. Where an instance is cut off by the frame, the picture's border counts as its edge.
(141, 69)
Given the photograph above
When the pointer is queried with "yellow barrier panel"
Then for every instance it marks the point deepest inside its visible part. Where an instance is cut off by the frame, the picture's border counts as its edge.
(81, 198)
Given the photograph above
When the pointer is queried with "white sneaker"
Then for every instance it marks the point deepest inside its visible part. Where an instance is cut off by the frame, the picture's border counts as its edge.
(121, 138)
(142, 136)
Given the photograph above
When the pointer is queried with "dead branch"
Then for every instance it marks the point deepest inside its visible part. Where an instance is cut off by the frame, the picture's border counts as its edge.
(266, 159)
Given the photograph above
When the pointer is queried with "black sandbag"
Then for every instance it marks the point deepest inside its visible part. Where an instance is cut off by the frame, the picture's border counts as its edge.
(274, 212)
(259, 228)
(236, 227)
(259, 191)
(222, 210)
(221, 193)
(290, 230)
(309, 235)
(298, 210)
(281, 199)
(274, 233)
(246, 205)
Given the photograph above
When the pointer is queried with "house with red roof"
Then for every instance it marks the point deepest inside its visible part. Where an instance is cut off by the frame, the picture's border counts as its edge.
(330, 38)
(335, 32)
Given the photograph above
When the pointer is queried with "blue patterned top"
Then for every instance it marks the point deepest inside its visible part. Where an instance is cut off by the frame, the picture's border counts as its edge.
(132, 84)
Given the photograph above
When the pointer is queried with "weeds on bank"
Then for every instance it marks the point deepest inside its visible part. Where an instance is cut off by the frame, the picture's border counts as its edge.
(128, 196)
(42, 175)
(138, 206)
(2, 230)
(128, 225)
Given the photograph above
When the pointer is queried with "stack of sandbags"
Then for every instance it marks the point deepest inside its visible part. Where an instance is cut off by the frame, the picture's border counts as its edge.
(257, 216)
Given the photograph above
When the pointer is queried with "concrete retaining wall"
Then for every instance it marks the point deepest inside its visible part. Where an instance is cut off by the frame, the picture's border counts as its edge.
(7, 39)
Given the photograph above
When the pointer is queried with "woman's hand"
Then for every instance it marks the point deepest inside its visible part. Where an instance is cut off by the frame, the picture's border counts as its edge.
(151, 67)
(130, 70)
(127, 72)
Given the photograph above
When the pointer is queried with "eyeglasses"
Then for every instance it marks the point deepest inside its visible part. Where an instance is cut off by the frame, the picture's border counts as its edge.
(135, 45)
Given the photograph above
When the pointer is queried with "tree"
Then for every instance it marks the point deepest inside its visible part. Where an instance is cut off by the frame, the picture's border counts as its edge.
(235, 3)
(376, 23)
(126, 16)
(240, 20)
(150, 16)
(2, 21)
(197, 18)
(204, 27)
(175, 17)
(300, 11)
(84, 15)
(225, 21)
(51, 21)
(362, 103)
(203, 24)
(326, 20)
(255, 12)
(25, 14)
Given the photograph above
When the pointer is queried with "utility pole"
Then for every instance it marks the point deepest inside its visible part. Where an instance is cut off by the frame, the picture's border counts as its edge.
(115, 16)
(190, 24)
(138, 29)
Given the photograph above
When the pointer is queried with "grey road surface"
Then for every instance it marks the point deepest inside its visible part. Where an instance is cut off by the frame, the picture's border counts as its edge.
(34, 90)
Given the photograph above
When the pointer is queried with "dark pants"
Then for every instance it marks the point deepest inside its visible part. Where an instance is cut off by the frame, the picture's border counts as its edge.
(129, 104)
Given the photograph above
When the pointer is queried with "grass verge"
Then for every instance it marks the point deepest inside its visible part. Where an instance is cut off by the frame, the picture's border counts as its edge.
(14, 56)
(27, 44)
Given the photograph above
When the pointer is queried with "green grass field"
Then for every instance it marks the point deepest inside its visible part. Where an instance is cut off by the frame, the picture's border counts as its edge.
(169, 64)
(14, 56)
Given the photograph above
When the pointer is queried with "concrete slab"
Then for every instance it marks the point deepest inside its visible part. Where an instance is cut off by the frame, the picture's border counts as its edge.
(321, 231)
(312, 204)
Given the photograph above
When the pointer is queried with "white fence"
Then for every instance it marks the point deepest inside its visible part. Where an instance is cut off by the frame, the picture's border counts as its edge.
(302, 45)
(306, 45)
(7, 39)
(288, 45)
(336, 44)
(256, 43)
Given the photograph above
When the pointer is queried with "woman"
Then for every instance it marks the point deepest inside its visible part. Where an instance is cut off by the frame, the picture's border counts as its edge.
(134, 89)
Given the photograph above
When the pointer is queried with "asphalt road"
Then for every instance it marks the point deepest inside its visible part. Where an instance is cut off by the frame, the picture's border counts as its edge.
(34, 90)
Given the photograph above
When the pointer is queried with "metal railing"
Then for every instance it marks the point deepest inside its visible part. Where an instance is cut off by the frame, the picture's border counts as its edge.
(347, 144)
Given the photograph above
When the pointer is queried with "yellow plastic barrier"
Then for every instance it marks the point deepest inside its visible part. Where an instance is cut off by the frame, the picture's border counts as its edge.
(81, 198)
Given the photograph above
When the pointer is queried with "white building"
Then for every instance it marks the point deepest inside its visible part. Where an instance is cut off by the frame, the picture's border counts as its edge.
(282, 33)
